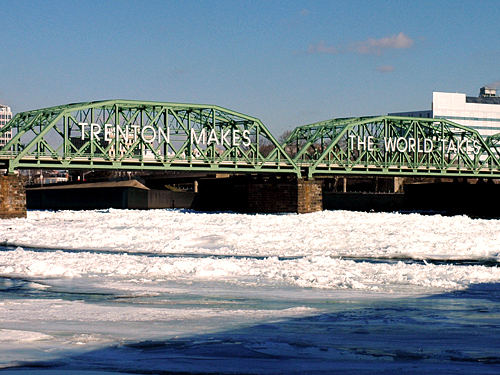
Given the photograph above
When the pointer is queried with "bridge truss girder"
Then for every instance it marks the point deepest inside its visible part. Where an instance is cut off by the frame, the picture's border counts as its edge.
(136, 135)
(392, 146)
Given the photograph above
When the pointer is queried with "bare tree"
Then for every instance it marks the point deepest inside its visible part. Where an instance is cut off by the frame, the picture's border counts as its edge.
(290, 149)
(265, 146)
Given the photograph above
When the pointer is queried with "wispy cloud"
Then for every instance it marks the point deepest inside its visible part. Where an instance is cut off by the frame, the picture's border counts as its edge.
(385, 69)
(369, 46)
(321, 47)
(378, 46)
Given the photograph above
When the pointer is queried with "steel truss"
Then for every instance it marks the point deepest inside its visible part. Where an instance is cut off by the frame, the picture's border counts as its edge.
(393, 146)
(136, 135)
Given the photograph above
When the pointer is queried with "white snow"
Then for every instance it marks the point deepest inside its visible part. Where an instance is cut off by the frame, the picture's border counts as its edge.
(332, 233)
(92, 283)
(304, 250)
(16, 335)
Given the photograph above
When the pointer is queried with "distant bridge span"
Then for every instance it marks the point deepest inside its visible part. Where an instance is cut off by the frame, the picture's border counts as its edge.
(136, 135)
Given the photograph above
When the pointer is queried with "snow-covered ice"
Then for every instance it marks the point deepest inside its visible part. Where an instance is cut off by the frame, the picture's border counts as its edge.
(182, 291)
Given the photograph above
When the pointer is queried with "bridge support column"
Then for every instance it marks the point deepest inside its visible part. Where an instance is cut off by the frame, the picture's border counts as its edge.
(309, 196)
(296, 195)
(12, 197)
(263, 194)
(398, 181)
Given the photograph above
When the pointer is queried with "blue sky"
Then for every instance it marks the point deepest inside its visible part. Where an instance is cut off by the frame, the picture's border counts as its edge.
(288, 63)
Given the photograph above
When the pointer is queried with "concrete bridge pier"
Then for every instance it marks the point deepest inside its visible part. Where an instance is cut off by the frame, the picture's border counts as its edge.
(12, 197)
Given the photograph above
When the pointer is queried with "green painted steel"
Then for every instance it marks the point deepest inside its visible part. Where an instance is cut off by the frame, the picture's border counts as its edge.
(136, 135)
(393, 146)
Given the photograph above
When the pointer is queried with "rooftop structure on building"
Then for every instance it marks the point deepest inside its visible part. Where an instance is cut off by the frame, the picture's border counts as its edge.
(487, 92)
(481, 113)
(5, 116)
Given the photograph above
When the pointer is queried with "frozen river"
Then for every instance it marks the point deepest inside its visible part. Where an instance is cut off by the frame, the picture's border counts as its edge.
(171, 291)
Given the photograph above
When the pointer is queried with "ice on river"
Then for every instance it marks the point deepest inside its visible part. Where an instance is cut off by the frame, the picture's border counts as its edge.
(183, 291)
(327, 233)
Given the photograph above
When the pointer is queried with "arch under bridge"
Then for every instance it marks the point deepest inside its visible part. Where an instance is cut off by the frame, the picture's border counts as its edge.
(138, 135)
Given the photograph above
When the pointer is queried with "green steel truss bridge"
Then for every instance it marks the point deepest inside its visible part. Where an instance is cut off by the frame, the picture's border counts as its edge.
(134, 135)
(394, 146)
(156, 136)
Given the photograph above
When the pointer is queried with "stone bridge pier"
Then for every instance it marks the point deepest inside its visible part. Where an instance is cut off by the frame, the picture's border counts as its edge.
(261, 194)
(12, 197)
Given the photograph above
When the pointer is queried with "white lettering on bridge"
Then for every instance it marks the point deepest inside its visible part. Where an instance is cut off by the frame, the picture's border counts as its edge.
(419, 145)
(149, 134)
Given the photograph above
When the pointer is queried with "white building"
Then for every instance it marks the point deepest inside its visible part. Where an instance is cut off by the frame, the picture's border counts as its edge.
(5, 116)
(481, 113)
